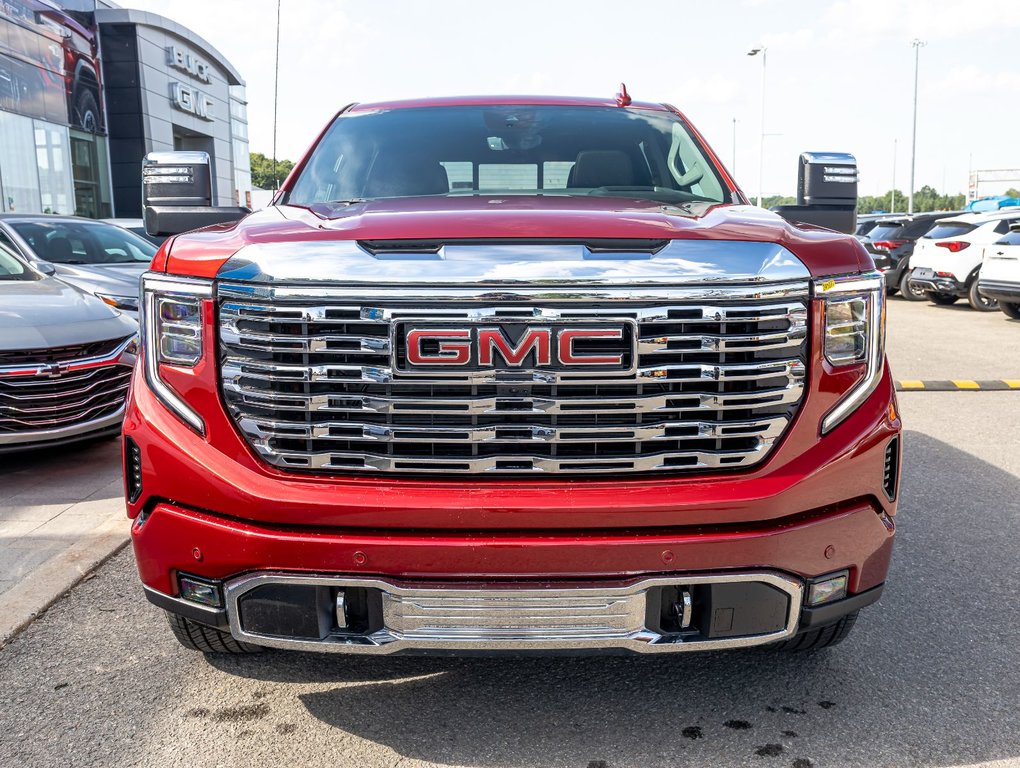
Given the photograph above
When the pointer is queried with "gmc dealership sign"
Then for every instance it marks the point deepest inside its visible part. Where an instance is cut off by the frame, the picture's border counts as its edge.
(185, 97)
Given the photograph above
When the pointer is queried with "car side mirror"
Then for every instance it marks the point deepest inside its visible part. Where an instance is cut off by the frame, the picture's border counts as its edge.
(46, 267)
(826, 192)
(177, 194)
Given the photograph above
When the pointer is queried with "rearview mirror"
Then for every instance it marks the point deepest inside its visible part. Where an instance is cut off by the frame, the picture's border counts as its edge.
(177, 194)
(826, 192)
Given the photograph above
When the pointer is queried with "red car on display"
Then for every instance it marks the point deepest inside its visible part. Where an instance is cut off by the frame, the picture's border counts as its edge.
(511, 374)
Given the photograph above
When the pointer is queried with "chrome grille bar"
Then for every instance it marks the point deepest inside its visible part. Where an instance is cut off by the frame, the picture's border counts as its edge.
(308, 376)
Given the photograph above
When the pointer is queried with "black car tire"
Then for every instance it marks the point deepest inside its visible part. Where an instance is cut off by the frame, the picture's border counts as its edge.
(942, 299)
(86, 110)
(823, 637)
(908, 293)
(979, 302)
(198, 637)
(1010, 309)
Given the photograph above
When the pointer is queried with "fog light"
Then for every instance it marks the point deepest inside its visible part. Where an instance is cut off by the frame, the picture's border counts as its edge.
(200, 591)
(827, 589)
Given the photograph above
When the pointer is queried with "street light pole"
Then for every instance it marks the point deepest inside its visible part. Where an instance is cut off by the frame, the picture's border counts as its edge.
(918, 45)
(893, 204)
(734, 165)
(761, 142)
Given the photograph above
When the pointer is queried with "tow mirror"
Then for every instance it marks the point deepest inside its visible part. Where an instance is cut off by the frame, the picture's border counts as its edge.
(177, 194)
(826, 192)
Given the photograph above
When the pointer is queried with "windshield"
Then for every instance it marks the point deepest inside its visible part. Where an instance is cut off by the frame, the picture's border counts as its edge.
(13, 268)
(508, 150)
(84, 242)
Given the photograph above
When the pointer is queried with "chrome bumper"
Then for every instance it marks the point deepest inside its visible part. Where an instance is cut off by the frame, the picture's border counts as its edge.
(490, 619)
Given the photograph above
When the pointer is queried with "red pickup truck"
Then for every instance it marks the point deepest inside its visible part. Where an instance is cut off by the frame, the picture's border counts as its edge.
(511, 374)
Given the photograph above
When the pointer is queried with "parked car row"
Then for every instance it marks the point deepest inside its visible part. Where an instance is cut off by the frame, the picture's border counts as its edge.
(946, 256)
(68, 328)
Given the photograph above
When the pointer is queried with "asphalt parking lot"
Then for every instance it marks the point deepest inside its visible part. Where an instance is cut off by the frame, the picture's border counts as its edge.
(929, 677)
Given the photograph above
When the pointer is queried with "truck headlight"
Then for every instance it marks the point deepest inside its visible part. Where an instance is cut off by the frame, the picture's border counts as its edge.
(854, 333)
(172, 334)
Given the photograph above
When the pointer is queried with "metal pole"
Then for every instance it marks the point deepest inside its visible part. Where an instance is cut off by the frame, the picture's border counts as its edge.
(761, 143)
(918, 44)
(276, 93)
(734, 165)
(892, 205)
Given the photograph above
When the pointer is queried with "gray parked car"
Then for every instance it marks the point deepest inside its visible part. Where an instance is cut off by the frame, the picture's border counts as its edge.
(99, 258)
(65, 360)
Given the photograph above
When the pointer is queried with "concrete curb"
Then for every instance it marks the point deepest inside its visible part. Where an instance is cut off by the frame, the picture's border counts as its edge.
(958, 385)
(22, 604)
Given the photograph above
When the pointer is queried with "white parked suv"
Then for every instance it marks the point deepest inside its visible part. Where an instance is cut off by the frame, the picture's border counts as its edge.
(1000, 273)
(946, 261)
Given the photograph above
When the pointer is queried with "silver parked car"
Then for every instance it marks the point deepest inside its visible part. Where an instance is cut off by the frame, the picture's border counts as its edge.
(65, 360)
(138, 227)
(97, 257)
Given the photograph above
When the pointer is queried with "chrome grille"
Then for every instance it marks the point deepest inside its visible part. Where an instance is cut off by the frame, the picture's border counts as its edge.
(47, 400)
(308, 378)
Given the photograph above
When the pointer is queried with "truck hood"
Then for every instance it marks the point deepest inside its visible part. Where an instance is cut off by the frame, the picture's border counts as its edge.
(35, 314)
(202, 253)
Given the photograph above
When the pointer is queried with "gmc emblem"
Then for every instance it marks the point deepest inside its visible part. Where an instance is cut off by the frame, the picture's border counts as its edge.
(515, 346)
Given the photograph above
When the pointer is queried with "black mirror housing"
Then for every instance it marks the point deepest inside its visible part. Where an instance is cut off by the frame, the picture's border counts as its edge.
(826, 192)
(177, 194)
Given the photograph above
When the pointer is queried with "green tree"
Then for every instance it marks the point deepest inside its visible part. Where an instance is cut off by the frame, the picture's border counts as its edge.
(1012, 192)
(768, 202)
(262, 171)
(925, 199)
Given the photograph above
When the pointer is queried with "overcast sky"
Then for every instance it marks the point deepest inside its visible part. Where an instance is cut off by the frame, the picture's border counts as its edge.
(840, 74)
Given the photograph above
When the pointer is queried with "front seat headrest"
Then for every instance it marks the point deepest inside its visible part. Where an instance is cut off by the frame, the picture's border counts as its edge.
(602, 168)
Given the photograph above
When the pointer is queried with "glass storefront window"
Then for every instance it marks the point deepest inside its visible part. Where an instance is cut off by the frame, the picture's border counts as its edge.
(52, 152)
(88, 166)
(19, 178)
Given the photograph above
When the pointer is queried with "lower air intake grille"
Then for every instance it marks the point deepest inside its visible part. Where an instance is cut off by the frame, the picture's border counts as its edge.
(341, 383)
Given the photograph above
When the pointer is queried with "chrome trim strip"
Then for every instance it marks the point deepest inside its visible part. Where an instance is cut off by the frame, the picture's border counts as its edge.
(519, 464)
(355, 403)
(74, 364)
(585, 294)
(155, 284)
(59, 433)
(873, 284)
(626, 632)
(261, 430)
(234, 369)
(679, 262)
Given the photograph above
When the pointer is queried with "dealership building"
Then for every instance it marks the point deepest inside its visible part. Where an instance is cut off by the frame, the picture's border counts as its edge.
(88, 88)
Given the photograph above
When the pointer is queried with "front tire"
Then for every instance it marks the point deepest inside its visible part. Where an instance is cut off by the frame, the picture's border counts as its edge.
(979, 302)
(942, 299)
(823, 637)
(1010, 309)
(198, 637)
(910, 294)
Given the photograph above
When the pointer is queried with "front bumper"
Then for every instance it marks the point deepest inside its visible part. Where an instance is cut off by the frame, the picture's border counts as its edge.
(1000, 290)
(492, 577)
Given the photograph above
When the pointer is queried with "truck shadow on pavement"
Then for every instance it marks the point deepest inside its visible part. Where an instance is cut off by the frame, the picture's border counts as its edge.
(929, 676)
